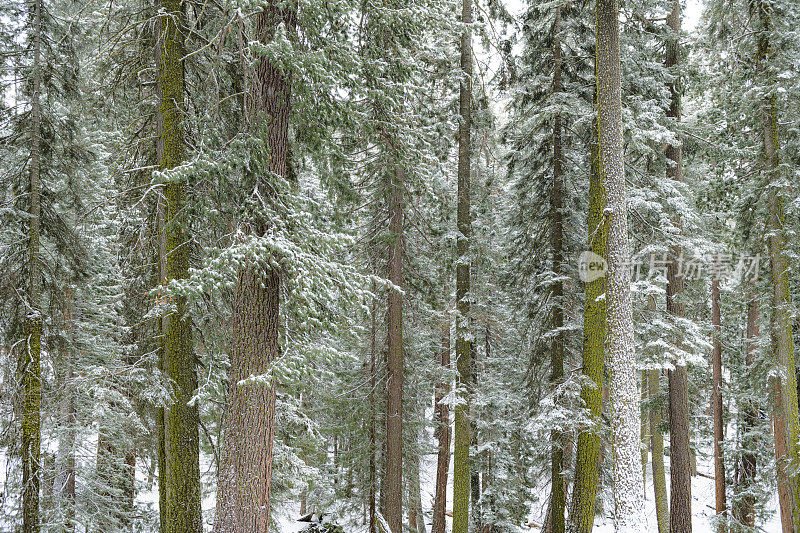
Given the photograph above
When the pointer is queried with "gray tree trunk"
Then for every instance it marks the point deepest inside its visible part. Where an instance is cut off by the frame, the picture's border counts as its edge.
(624, 399)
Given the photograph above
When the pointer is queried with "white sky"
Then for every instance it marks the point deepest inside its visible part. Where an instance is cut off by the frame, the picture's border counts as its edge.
(692, 9)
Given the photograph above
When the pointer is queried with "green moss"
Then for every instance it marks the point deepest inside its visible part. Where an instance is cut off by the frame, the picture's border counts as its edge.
(783, 345)
(588, 451)
(181, 439)
(31, 423)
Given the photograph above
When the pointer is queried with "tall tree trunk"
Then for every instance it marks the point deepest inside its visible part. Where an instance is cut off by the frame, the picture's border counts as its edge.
(716, 404)
(678, 378)
(161, 327)
(587, 466)
(629, 515)
(476, 459)
(657, 451)
(557, 249)
(745, 511)
(644, 436)
(373, 413)
(442, 434)
(245, 476)
(30, 366)
(461, 456)
(782, 343)
(393, 503)
(779, 433)
(181, 443)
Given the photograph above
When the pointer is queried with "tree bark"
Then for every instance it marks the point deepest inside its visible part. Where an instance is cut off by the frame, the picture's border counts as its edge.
(393, 503)
(245, 475)
(678, 378)
(161, 327)
(557, 248)
(657, 451)
(461, 456)
(181, 443)
(782, 342)
(584, 494)
(779, 433)
(644, 436)
(716, 404)
(629, 515)
(442, 434)
(373, 415)
(30, 366)
(476, 460)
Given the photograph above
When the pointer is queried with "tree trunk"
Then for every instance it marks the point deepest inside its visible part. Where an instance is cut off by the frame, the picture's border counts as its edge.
(657, 451)
(461, 455)
(629, 515)
(644, 437)
(393, 503)
(30, 366)
(716, 404)
(476, 460)
(782, 343)
(745, 511)
(181, 421)
(678, 378)
(587, 466)
(373, 414)
(557, 248)
(245, 475)
(779, 433)
(161, 327)
(442, 434)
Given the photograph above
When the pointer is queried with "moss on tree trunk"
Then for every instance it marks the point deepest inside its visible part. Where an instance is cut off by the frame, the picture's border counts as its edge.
(587, 466)
(181, 420)
(30, 366)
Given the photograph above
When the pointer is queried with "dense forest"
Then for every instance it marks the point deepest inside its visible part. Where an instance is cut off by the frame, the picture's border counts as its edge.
(399, 266)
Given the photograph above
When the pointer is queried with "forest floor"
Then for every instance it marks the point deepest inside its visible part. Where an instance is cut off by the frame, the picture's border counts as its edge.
(702, 496)
(702, 500)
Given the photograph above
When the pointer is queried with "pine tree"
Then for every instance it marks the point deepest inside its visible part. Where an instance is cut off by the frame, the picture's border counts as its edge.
(30, 366)
(629, 514)
(587, 463)
(657, 452)
(461, 432)
(250, 412)
(716, 403)
(680, 466)
(787, 425)
(557, 497)
(181, 419)
(442, 432)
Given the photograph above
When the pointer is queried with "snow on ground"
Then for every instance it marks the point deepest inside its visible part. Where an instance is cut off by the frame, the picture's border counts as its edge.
(702, 499)
(702, 496)
(702, 502)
